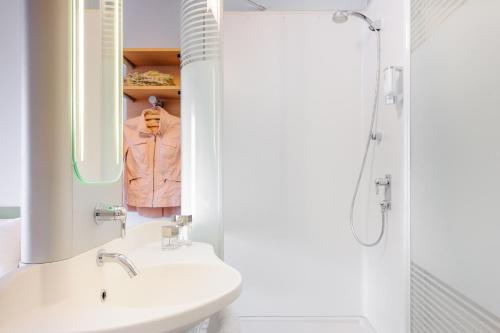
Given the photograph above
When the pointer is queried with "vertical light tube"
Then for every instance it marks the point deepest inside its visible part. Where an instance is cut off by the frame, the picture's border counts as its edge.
(97, 83)
(117, 77)
(80, 102)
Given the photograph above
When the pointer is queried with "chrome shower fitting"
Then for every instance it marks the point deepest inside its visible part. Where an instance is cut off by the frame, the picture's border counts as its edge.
(386, 182)
(385, 206)
(377, 136)
(342, 16)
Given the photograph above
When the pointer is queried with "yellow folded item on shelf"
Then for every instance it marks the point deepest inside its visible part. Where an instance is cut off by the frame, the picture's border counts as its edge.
(150, 78)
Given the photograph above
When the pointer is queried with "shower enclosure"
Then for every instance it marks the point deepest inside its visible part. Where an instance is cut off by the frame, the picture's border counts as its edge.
(300, 93)
(294, 134)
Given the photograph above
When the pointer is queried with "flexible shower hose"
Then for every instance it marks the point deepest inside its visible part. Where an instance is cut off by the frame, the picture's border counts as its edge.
(371, 135)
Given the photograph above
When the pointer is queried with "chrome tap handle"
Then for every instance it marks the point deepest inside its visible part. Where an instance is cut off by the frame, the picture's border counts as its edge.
(103, 213)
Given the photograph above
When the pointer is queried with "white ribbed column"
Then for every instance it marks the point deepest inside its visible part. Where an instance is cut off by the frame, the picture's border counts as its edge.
(200, 105)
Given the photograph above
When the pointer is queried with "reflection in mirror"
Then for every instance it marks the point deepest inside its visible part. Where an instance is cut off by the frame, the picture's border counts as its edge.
(97, 80)
(152, 126)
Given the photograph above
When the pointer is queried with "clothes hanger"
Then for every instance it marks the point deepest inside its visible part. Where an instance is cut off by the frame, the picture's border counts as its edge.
(154, 113)
(157, 104)
(152, 116)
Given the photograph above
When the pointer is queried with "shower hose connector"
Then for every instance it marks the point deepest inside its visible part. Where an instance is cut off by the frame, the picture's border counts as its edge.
(385, 205)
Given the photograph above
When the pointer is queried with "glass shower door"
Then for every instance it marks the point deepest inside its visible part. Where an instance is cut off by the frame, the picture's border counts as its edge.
(455, 166)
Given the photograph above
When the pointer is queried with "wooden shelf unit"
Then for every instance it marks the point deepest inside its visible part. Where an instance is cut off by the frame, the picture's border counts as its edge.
(164, 60)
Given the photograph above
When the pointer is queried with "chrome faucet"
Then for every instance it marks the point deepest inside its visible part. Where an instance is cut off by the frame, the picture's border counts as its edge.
(104, 213)
(118, 258)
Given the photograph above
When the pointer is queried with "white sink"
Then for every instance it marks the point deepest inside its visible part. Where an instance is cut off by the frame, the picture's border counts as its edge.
(176, 285)
(174, 291)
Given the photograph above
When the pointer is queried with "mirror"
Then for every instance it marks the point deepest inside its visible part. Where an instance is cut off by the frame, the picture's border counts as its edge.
(152, 110)
(96, 90)
(171, 147)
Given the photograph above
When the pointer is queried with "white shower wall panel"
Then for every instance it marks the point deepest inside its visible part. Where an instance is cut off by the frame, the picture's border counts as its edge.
(292, 141)
(288, 5)
(386, 267)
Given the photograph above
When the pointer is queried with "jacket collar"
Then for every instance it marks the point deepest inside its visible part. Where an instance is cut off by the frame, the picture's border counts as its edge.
(164, 123)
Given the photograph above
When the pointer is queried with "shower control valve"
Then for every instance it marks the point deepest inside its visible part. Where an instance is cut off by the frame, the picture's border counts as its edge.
(103, 213)
(386, 182)
(385, 204)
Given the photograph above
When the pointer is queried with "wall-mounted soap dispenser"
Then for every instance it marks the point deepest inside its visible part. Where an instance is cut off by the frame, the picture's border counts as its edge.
(393, 85)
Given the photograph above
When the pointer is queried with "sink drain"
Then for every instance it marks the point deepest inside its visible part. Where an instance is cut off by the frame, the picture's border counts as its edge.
(104, 294)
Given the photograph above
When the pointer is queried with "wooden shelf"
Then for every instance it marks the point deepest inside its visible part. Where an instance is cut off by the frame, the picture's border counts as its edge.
(166, 60)
(143, 92)
(147, 57)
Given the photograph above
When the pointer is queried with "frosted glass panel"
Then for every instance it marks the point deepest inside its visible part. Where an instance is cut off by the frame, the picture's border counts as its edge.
(97, 80)
(455, 166)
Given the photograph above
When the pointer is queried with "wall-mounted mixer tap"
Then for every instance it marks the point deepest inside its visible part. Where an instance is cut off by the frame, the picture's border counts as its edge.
(104, 213)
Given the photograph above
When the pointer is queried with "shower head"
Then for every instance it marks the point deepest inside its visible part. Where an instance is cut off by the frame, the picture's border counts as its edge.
(342, 16)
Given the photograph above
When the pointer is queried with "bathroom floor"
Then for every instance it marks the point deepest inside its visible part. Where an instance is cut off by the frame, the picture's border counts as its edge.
(304, 325)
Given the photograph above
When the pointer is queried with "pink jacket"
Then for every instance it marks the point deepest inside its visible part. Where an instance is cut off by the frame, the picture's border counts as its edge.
(152, 162)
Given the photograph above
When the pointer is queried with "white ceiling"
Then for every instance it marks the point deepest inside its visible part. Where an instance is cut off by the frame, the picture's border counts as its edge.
(284, 5)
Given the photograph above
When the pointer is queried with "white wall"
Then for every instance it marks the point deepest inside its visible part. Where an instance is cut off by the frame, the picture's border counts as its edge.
(10, 110)
(286, 5)
(386, 278)
(151, 23)
(292, 124)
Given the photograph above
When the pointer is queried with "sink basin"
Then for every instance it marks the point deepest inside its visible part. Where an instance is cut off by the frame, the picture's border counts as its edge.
(174, 291)
(170, 285)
